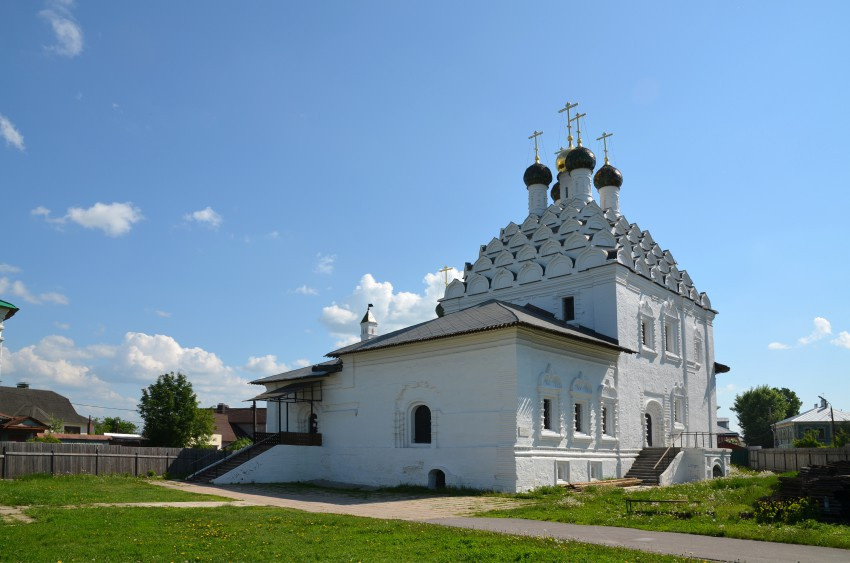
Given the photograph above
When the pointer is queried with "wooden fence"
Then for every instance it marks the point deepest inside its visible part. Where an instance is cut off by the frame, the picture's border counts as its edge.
(794, 459)
(18, 459)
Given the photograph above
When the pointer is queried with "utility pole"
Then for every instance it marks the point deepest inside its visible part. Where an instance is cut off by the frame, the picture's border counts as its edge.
(832, 418)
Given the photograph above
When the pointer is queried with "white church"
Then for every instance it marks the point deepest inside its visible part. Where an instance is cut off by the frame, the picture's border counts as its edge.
(573, 346)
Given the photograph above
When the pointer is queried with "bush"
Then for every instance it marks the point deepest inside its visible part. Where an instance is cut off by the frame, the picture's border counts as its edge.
(239, 444)
(47, 439)
(791, 511)
(809, 440)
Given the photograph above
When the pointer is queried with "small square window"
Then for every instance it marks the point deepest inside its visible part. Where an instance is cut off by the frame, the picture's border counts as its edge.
(569, 308)
(547, 414)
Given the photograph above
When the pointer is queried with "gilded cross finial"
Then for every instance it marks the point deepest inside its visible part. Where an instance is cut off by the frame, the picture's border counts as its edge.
(534, 136)
(578, 126)
(445, 272)
(604, 139)
(567, 107)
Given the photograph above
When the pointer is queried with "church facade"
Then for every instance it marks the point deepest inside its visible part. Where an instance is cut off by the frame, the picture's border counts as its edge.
(572, 343)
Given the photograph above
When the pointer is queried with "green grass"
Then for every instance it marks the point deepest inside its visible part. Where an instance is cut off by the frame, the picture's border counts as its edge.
(261, 534)
(74, 490)
(723, 507)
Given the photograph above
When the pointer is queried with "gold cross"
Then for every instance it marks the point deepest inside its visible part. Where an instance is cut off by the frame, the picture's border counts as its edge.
(445, 272)
(578, 126)
(604, 139)
(567, 109)
(536, 155)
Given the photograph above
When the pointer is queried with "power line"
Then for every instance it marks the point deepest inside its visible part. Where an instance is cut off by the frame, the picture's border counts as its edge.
(100, 407)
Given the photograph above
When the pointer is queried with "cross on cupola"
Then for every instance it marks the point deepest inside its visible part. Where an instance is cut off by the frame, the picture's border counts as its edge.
(536, 153)
(578, 126)
(604, 139)
(567, 107)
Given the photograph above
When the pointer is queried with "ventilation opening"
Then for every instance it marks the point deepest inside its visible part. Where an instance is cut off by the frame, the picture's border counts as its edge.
(716, 472)
(436, 479)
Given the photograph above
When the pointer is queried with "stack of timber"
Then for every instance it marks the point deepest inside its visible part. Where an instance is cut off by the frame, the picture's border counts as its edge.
(624, 482)
(828, 484)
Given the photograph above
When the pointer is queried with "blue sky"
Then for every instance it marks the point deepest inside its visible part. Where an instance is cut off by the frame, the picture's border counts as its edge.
(220, 189)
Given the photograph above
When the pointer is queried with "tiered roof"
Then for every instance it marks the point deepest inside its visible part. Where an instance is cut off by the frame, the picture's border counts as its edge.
(571, 237)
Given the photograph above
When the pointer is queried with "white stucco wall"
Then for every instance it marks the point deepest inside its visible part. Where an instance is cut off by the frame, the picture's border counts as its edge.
(696, 464)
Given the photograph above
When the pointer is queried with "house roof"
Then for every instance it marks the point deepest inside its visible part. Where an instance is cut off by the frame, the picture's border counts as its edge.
(490, 315)
(227, 423)
(40, 404)
(11, 310)
(318, 370)
(818, 414)
(21, 423)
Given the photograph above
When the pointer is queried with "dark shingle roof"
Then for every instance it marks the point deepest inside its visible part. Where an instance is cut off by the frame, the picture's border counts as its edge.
(318, 370)
(39, 404)
(489, 315)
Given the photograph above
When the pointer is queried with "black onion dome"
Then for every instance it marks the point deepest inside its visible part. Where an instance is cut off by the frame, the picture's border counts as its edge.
(537, 174)
(580, 157)
(607, 176)
(556, 191)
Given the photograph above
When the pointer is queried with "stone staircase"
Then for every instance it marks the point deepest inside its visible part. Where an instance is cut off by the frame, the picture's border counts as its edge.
(644, 467)
(207, 474)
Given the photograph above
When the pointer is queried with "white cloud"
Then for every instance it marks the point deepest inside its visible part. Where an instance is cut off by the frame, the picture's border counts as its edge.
(19, 289)
(302, 362)
(822, 328)
(206, 216)
(55, 360)
(62, 326)
(11, 135)
(163, 314)
(843, 339)
(8, 269)
(324, 263)
(114, 219)
(392, 309)
(306, 290)
(69, 34)
(777, 346)
(265, 365)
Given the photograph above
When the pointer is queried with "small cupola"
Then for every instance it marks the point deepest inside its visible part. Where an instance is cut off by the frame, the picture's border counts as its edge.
(369, 325)
(608, 181)
(537, 178)
(555, 192)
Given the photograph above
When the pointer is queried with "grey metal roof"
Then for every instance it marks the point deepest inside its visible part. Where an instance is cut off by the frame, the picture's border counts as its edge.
(818, 414)
(490, 315)
(318, 370)
(40, 404)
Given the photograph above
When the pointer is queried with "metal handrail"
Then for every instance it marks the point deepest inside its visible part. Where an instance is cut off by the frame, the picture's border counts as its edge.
(234, 454)
(672, 443)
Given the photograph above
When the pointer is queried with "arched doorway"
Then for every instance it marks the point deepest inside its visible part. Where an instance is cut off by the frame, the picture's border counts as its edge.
(436, 479)
(653, 422)
(717, 471)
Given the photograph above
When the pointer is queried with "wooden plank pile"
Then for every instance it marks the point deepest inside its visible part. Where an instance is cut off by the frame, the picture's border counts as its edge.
(828, 484)
(624, 482)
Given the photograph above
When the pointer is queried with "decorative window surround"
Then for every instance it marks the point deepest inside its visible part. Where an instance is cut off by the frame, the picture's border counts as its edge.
(581, 393)
(646, 330)
(549, 392)
(671, 338)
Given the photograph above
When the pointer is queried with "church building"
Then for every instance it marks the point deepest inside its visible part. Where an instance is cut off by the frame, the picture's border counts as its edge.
(573, 346)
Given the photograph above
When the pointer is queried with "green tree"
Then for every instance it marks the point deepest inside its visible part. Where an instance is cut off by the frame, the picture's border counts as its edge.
(114, 424)
(794, 402)
(55, 425)
(757, 409)
(809, 440)
(842, 435)
(172, 418)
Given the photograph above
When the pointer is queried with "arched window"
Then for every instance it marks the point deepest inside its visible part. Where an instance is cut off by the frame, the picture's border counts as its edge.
(421, 425)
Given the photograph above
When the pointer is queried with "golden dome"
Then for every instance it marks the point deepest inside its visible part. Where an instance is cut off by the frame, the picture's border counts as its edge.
(561, 160)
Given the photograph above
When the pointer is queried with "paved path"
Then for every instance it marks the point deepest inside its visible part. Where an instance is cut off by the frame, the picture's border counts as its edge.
(371, 504)
(449, 511)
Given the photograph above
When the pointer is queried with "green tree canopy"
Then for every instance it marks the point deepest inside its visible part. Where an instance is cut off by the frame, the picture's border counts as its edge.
(114, 424)
(758, 408)
(172, 418)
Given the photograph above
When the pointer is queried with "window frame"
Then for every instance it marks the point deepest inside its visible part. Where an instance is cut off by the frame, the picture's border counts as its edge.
(414, 426)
